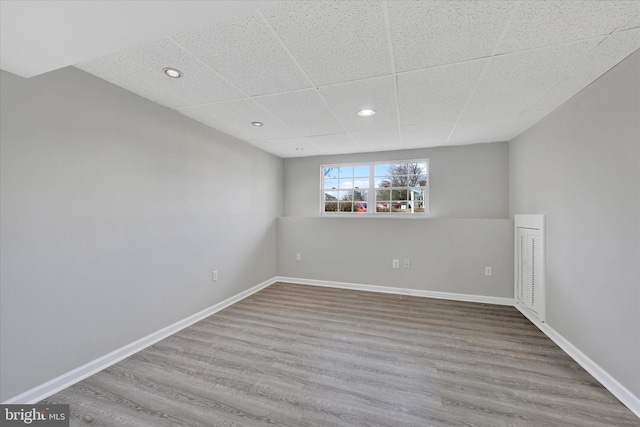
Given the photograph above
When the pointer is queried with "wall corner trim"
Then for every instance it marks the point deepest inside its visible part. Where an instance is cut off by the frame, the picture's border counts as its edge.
(63, 381)
(623, 394)
(399, 291)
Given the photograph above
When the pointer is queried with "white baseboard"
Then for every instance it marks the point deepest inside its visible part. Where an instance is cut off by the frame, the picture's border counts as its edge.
(399, 291)
(57, 384)
(623, 394)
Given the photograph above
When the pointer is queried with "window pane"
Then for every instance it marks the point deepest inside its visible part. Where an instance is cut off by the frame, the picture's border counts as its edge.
(382, 207)
(330, 206)
(417, 193)
(346, 207)
(345, 195)
(408, 174)
(399, 194)
(361, 183)
(360, 207)
(400, 206)
(417, 173)
(331, 183)
(394, 168)
(419, 168)
(330, 172)
(346, 183)
(345, 171)
(361, 171)
(383, 182)
(418, 200)
(399, 181)
(382, 170)
(401, 168)
(330, 196)
(360, 195)
(383, 195)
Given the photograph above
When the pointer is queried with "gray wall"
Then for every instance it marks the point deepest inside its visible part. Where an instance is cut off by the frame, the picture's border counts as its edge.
(581, 167)
(467, 181)
(446, 255)
(114, 213)
(467, 230)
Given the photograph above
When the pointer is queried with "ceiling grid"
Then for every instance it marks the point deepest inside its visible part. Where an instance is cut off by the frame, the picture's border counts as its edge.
(437, 73)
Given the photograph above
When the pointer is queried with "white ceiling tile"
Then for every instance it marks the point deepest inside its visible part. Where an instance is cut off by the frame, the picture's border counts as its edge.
(116, 75)
(240, 113)
(610, 52)
(437, 94)
(634, 22)
(45, 35)
(341, 143)
(304, 69)
(430, 33)
(546, 23)
(378, 139)
(484, 130)
(346, 99)
(514, 82)
(303, 110)
(246, 53)
(199, 84)
(334, 41)
(286, 148)
(426, 134)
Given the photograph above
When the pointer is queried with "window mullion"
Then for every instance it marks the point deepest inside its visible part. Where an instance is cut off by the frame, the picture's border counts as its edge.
(371, 198)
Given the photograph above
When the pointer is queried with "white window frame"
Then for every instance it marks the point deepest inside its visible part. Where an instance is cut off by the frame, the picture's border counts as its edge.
(371, 191)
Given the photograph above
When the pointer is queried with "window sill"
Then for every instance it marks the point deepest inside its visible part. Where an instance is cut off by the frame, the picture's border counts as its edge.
(377, 216)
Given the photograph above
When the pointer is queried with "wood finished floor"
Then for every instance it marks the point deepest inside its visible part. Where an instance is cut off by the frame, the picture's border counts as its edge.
(294, 355)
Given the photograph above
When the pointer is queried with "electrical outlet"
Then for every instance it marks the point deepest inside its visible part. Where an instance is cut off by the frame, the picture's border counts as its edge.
(406, 263)
(395, 263)
(488, 271)
(298, 257)
(214, 275)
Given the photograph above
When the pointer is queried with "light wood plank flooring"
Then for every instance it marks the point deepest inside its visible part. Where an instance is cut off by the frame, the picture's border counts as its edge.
(294, 355)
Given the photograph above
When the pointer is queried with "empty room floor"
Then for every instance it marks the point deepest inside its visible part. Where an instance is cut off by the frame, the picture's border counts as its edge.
(296, 355)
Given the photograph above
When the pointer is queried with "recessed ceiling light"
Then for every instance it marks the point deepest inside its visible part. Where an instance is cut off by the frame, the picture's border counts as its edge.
(299, 149)
(172, 72)
(366, 113)
(257, 124)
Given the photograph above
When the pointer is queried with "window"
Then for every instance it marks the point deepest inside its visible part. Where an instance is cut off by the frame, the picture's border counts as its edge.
(393, 188)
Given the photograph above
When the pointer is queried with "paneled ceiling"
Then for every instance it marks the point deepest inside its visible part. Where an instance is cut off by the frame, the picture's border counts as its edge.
(437, 73)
